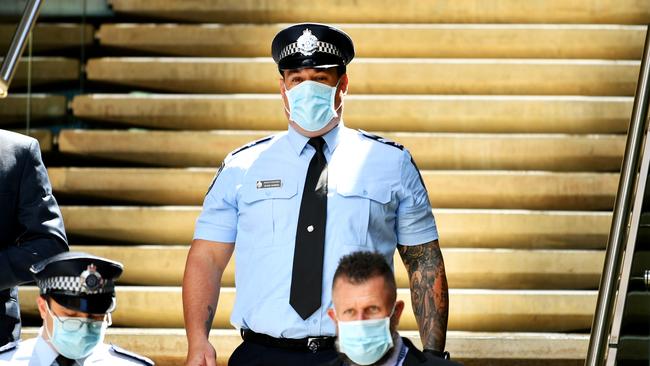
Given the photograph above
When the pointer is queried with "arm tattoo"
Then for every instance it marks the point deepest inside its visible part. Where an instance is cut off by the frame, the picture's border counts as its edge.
(429, 291)
(208, 321)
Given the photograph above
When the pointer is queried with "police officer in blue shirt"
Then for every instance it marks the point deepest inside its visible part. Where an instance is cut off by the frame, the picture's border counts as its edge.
(292, 204)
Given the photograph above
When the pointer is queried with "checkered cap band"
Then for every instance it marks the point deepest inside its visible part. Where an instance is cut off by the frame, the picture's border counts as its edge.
(72, 284)
(321, 47)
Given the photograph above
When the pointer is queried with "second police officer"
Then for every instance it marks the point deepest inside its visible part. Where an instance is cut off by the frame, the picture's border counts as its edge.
(292, 204)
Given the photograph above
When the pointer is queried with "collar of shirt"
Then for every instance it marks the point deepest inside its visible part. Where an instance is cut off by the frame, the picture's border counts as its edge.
(43, 351)
(298, 141)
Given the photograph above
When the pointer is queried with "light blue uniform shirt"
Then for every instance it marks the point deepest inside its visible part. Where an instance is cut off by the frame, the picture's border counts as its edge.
(375, 200)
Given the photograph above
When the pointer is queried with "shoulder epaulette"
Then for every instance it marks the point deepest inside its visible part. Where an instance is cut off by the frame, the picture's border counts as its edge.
(8, 347)
(251, 144)
(131, 355)
(381, 139)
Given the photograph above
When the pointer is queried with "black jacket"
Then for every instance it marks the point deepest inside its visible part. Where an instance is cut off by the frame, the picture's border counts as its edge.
(414, 357)
(31, 227)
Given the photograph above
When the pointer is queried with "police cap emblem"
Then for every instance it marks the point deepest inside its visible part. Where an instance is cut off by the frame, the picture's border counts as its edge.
(307, 43)
(90, 279)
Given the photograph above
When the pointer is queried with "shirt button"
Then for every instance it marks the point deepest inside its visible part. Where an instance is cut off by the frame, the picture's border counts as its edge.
(310, 228)
(365, 192)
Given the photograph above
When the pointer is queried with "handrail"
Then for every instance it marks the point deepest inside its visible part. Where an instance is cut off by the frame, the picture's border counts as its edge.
(10, 62)
(616, 244)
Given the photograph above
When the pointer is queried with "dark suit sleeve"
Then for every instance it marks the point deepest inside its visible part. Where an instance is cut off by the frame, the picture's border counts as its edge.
(41, 231)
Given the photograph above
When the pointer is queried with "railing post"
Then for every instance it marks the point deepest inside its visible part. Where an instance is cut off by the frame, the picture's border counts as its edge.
(10, 61)
(617, 236)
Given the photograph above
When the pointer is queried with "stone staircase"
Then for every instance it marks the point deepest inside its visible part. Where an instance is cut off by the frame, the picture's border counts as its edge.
(515, 114)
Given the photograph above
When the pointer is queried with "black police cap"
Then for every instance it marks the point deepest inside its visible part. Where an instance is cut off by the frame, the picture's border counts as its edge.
(79, 281)
(311, 45)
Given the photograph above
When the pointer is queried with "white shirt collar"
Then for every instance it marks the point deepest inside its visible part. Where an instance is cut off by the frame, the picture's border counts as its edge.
(43, 354)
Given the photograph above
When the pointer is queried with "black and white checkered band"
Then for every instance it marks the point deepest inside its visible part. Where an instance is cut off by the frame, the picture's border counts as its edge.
(321, 47)
(72, 285)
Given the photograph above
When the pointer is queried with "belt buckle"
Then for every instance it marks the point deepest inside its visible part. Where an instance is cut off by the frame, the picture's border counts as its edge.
(313, 344)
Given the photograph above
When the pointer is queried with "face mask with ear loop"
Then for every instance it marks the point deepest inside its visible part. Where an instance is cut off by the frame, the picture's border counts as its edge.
(365, 341)
(75, 338)
(311, 104)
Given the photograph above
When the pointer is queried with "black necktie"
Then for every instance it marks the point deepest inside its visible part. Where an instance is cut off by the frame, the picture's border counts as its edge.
(64, 361)
(307, 275)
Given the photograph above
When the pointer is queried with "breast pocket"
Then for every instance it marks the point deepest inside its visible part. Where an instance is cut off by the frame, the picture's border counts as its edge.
(264, 213)
(357, 206)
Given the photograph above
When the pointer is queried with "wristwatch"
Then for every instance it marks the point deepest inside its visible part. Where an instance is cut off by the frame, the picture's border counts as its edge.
(440, 354)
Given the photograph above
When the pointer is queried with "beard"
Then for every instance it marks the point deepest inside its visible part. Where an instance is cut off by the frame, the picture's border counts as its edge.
(343, 357)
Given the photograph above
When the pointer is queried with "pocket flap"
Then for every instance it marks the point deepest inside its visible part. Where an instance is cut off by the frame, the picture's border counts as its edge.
(374, 191)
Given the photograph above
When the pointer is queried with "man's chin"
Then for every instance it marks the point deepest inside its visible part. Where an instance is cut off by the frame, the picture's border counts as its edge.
(382, 360)
(328, 127)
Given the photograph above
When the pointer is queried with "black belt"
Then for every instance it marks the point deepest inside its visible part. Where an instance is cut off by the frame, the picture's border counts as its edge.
(313, 344)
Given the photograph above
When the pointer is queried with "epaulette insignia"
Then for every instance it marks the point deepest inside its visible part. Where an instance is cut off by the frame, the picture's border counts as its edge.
(131, 355)
(214, 180)
(251, 144)
(8, 347)
(381, 139)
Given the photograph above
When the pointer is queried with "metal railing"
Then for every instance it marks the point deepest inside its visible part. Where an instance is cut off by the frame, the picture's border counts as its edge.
(602, 321)
(18, 42)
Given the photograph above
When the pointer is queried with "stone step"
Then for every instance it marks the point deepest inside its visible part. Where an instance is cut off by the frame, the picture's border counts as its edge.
(51, 36)
(448, 189)
(13, 108)
(389, 40)
(384, 11)
(44, 137)
(635, 316)
(470, 310)
(633, 348)
(156, 265)
(377, 76)
(168, 347)
(56, 9)
(518, 229)
(45, 71)
(431, 113)
(438, 151)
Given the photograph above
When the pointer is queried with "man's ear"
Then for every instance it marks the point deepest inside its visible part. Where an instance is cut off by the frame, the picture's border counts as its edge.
(343, 84)
(399, 307)
(283, 87)
(42, 307)
(332, 314)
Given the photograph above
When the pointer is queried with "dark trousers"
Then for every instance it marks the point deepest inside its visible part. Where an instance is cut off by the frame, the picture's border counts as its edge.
(254, 354)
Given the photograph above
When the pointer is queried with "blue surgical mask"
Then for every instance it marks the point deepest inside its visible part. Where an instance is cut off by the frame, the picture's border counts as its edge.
(311, 104)
(365, 341)
(75, 338)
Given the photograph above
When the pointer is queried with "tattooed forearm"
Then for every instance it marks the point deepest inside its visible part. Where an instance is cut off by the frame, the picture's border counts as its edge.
(208, 321)
(429, 291)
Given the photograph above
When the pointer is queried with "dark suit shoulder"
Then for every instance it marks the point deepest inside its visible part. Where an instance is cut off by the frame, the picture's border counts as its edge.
(15, 140)
(15, 148)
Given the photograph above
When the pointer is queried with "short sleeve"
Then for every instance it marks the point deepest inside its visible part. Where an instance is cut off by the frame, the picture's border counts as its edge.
(218, 219)
(415, 221)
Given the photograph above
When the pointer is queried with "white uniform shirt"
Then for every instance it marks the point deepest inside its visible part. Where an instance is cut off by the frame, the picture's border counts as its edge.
(38, 352)
(376, 199)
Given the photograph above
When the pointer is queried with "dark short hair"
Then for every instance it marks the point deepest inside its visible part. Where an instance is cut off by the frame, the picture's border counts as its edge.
(359, 267)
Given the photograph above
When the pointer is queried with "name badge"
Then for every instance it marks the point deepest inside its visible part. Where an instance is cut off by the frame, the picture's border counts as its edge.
(274, 183)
